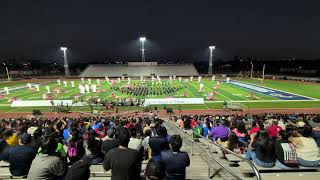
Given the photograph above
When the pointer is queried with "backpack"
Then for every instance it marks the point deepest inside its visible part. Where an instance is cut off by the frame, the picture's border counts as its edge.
(72, 150)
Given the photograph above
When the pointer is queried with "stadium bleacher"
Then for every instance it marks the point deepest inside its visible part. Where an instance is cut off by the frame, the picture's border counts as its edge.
(104, 70)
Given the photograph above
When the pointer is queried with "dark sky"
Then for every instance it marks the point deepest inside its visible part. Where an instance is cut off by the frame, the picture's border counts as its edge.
(267, 29)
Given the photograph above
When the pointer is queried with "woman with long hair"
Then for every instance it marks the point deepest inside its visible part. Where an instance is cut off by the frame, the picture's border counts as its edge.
(306, 146)
(261, 149)
(75, 147)
(94, 147)
(47, 165)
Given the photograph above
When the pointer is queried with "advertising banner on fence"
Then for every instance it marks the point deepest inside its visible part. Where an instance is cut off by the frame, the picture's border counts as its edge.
(44, 103)
(173, 101)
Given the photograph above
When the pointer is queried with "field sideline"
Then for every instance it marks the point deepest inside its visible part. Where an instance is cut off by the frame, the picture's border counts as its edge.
(225, 92)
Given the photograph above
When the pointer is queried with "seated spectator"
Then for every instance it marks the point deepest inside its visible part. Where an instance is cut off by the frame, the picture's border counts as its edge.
(242, 134)
(10, 137)
(256, 126)
(147, 127)
(123, 161)
(110, 142)
(155, 170)
(219, 131)
(20, 157)
(80, 169)
(94, 146)
(47, 165)
(75, 147)
(4, 147)
(274, 130)
(232, 144)
(264, 150)
(283, 149)
(145, 144)
(307, 149)
(159, 143)
(175, 161)
(206, 129)
(134, 143)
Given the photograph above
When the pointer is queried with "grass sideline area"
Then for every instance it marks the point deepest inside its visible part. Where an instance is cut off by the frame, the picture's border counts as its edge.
(225, 92)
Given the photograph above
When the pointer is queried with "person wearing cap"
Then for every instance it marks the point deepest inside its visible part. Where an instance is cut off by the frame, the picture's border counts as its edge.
(20, 157)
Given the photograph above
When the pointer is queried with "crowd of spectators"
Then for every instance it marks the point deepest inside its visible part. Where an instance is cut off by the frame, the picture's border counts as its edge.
(282, 140)
(40, 148)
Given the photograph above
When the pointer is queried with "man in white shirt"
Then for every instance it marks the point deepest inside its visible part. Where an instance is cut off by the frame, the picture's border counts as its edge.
(134, 142)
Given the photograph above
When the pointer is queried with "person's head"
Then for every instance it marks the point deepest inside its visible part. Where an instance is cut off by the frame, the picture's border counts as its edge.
(275, 122)
(110, 133)
(242, 128)
(133, 132)
(155, 170)
(49, 145)
(123, 137)
(263, 138)
(161, 131)
(260, 125)
(176, 143)
(233, 141)
(24, 139)
(307, 130)
(147, 133)
(284, 135)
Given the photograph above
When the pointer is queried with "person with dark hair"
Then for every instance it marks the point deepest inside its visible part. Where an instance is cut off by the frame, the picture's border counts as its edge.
(134, 143)
(175, 161)
(274, 129)
(4, 147)
(264, 150)
(307, 149)
(20, 157)
(75, 147)
(256, 126)
(219, 131)
(47, 165)
(80, 169)
(94, 146)
(232, 144)
(285, 152)
(155, 170)
(241, 133)
(145, 144)
(124, 162)
(159, 143)
(110, 142)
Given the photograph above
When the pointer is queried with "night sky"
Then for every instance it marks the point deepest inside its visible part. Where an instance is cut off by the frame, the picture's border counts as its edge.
(174, 29)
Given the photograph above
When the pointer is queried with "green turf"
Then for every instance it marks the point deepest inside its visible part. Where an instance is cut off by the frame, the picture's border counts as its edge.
(306, 89)
(226, 92)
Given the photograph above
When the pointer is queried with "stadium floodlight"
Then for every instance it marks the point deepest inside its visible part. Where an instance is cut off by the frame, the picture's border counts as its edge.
(210, 59)
(142, 40)
(66, 65)
(7, 70)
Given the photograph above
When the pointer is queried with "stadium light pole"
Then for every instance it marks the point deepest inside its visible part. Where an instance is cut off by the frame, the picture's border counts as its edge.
(66, 65)
(210, 59)
(251, 72)
(7, 70)
(142, 40)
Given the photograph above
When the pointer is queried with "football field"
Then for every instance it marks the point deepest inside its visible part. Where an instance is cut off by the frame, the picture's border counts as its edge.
(250, 93)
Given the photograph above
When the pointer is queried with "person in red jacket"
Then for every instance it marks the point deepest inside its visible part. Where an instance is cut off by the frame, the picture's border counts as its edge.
(274, 129)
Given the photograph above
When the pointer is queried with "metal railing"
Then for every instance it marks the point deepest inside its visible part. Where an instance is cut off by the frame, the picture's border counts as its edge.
(190, 138)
